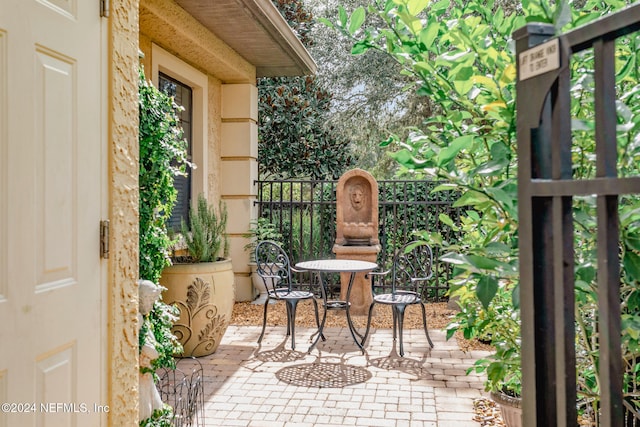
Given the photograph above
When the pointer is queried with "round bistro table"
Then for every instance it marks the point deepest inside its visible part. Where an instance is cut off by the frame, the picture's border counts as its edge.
(329, 266)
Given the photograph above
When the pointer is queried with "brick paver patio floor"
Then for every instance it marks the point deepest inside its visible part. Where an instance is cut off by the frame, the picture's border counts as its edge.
(270, 385)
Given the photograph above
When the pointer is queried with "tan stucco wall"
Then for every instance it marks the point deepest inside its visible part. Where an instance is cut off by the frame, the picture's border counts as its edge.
(135, 26)
(215, 142)
(171, 27)
(232, 156)
(238, 171)
(145, 49)
(123, 207)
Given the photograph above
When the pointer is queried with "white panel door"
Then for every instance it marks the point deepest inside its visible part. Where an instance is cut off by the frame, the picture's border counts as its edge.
(52, 331)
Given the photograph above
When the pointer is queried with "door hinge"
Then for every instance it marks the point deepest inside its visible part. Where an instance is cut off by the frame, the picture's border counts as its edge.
(104, 238)
(104, 8)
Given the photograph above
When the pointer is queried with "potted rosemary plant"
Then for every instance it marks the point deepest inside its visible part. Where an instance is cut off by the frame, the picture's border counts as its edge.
(201, 282)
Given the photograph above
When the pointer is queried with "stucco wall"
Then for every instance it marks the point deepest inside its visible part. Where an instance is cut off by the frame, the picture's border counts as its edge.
(166, 25)
(215, 121)
(145, 49)
(238, 171)
(135, 25)
(171, 27)
(123, 195)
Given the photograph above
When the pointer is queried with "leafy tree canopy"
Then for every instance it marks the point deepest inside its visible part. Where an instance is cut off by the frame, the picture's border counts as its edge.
(294, 139)
(460, 55)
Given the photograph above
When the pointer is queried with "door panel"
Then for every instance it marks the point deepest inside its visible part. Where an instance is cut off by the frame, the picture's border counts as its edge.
(56, 235)
(51, 276)
(4, 144)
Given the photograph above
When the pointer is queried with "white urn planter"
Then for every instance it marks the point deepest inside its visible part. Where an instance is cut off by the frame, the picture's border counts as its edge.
(510, 408)
(205, 294)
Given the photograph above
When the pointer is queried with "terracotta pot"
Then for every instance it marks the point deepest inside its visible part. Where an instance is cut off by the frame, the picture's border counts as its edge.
(204, 293)
(510, 408)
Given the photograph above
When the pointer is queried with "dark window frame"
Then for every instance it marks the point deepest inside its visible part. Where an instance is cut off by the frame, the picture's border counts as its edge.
(183, 96)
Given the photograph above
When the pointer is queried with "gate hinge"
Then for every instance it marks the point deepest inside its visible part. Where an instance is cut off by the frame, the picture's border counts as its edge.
(104, 239)
(104, 8)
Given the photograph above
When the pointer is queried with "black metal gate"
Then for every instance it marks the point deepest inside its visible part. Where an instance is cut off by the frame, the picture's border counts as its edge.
(546, 188)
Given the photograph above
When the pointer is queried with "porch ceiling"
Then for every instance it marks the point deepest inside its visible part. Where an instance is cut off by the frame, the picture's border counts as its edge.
(256, 30)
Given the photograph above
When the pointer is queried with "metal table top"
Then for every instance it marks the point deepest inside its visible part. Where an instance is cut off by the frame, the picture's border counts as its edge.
(337, 265)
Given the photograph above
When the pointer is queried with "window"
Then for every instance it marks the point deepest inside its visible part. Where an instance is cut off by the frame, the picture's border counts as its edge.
(189, 86)
(182, 95)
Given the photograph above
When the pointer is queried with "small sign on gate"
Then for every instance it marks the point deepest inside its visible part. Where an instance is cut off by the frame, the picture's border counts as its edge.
(540, 59)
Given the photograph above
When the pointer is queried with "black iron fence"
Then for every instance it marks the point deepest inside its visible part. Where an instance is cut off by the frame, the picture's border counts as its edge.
(304, 211)
(182, 388)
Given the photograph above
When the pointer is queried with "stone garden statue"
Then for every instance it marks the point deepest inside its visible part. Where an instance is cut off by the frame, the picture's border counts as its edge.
(357, 232)
(148, 294)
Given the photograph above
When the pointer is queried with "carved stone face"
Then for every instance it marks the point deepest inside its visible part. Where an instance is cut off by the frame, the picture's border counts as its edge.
(357, 209)
(356, 195)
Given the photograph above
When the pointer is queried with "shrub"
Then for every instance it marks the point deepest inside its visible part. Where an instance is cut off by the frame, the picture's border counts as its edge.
(206, 238)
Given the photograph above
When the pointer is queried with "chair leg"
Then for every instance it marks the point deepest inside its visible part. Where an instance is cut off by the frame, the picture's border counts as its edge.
(399, 319)
(287, 305)
(264, 319)
(292, 305)
(366, 332)
(424, 322)
(395, 325)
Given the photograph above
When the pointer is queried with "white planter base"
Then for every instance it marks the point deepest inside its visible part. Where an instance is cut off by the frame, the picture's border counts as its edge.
(510, 408)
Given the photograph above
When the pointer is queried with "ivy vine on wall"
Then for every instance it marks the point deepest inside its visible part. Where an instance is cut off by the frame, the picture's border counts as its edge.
(163, 155)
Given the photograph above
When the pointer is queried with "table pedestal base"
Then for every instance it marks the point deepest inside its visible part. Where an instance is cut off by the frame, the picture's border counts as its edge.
(332, 266)
(361, 297)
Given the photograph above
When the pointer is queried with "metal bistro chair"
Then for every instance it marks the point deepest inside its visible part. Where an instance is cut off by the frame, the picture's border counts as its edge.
(274, 268)
(402, 284)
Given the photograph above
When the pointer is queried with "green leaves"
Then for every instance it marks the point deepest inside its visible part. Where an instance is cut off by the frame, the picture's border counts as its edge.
(480, 264)
(440, 6)
(446, 219)
(350, 24)
(460, 55)
(416, 6)
(448, 153)
(486, 290)
(428, 34)
(163, 155)
(356, 20)
(360, 47)
(204, 237)
(631, 264)
(561, 15)
(342, 16)
(406, 158)
(292, 138)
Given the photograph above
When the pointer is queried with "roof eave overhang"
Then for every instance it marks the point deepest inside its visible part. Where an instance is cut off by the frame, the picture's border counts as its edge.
(256, 30)
(283, 35)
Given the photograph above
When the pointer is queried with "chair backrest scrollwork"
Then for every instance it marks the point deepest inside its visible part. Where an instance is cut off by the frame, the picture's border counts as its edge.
(273, 265)
(412, 267)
